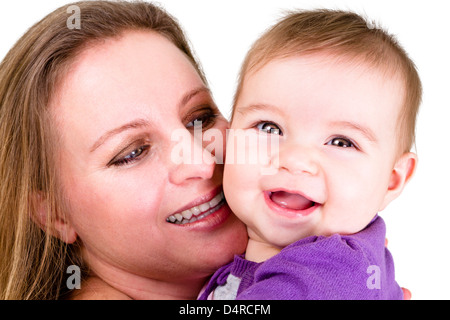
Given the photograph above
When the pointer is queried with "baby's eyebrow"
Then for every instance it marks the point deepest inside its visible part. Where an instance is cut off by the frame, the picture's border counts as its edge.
(367, 132)
(259, 107)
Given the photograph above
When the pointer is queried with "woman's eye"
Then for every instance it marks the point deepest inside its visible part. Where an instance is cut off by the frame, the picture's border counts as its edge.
(269, 127)
(203, 121)
(341, 142)
(133, 156)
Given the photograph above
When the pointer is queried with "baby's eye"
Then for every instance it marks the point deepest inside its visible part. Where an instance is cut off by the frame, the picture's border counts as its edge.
(341, 142)
(269, 127)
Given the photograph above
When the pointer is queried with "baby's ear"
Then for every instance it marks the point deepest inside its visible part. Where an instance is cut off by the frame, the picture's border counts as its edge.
(401, 173)
(58, 226)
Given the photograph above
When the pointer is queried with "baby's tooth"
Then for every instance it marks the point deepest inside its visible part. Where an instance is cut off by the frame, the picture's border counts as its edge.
(178, 216)
(172, 218)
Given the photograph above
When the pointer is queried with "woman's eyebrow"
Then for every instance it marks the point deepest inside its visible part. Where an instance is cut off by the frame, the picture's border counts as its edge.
(138, 123)
(191, 94)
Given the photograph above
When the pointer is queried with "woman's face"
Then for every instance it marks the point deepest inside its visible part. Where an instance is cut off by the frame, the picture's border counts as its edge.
(115, 112)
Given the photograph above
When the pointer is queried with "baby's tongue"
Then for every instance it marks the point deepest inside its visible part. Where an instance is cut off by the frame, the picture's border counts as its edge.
(290, 200)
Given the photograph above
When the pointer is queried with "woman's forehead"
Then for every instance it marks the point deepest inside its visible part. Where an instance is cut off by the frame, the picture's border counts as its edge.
(141, 75)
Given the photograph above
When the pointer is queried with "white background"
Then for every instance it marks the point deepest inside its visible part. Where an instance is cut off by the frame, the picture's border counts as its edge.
(221, 33)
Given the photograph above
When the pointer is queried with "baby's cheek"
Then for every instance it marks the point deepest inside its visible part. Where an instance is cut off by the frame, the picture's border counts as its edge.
(351, 207)
(238, 185)
(231, 185)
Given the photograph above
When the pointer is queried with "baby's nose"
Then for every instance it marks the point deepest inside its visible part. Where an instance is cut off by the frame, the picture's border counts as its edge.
(298, 159)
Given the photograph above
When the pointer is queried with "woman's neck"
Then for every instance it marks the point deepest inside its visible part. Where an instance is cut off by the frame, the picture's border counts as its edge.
(107, 281)
(96, 288)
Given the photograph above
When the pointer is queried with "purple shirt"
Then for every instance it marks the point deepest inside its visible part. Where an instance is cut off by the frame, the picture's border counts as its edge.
(356, 266)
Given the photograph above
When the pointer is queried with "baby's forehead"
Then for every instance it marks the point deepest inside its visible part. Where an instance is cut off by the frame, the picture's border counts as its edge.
(322, 67)
(347, 61)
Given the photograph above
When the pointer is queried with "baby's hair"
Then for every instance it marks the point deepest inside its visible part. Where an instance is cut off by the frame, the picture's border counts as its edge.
(341, 34)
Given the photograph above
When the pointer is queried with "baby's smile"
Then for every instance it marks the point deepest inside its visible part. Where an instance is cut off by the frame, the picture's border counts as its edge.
(291, 204)
(292, 201)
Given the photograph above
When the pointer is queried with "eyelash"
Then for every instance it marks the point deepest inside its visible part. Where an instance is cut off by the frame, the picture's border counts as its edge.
(349, 142)
(260, 124)
(130, 158)
(207, 113)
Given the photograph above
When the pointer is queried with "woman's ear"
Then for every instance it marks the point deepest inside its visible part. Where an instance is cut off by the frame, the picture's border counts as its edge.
(58, 226)
(401, 174)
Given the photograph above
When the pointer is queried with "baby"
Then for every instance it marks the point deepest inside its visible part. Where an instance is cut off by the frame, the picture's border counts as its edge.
(340, 98)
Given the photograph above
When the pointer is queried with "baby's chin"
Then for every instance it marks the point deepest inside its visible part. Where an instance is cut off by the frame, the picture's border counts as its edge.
(283, 237)
(280, 238)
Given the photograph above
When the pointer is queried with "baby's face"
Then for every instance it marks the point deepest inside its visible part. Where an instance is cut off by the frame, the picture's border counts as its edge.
(336, 123)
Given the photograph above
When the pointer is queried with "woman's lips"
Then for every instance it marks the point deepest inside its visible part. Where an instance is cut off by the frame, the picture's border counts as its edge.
(289, 204)
(198, 212)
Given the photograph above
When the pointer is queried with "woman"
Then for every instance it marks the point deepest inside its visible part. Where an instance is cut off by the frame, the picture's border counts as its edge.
(86, 175)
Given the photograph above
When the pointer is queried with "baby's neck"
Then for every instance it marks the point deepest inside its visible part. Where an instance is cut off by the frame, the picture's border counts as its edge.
(259, 251)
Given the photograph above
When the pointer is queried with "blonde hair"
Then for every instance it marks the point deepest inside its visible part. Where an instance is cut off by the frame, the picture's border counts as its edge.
(32, 262)
(340, 33)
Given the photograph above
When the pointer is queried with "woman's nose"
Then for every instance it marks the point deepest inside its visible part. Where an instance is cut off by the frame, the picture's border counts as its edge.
(189, 160)
(297, 159)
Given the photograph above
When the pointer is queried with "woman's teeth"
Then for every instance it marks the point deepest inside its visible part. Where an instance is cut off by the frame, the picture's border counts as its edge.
(198, 212)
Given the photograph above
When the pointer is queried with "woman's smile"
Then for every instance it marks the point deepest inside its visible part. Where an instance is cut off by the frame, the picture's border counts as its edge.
(198, 212)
